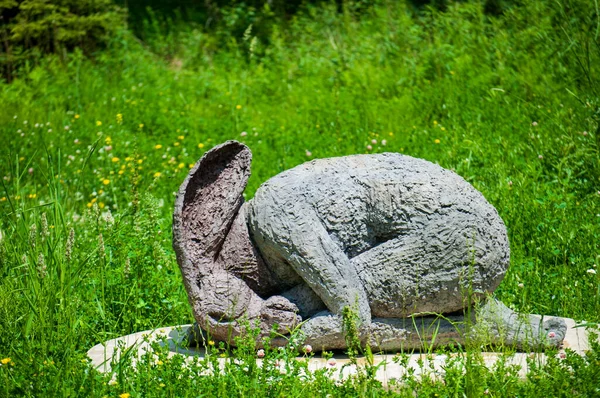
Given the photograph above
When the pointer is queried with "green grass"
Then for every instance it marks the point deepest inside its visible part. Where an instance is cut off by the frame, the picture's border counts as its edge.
(98, 147)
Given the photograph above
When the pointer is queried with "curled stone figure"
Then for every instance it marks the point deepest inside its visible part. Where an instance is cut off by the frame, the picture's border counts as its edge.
(410, 246)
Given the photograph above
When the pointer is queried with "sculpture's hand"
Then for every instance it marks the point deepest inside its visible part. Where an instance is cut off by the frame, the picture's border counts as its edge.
(279, 310)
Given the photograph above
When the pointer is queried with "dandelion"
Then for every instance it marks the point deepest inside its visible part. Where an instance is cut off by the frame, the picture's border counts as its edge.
(157, 146)
(69, 246)
(200, 145)
(238, 107)
(76, 116)
(115, 159)
(260, 353)
(106, 181)
(534, 124)
(157, 174)
(98, 123)
(437, 141)
(180, 137)
(591, 271)
(435, 122)
(125, 395)
(5, 361)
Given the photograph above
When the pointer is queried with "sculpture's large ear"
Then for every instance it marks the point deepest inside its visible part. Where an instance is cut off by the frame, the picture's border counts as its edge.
(206, 206)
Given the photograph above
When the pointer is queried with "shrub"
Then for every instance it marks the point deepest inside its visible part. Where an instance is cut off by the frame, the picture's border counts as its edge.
(31, 28)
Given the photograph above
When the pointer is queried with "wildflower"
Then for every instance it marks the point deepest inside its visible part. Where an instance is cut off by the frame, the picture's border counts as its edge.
(161, 385)
(159, 362)
(157, 174)
(49, 130)
(451, 72)
(76, 141)
(101, 248)
(180, 137)
(69, 247)
(243, 133)
(585, 133)
(191, 165)
(41, 267)
(106, 181)
(125, 395)
(45, 231)
(591, 271)
(141, 125)
(157, 146)
(520, 286)
(435, 122)
(119, 118)
(32, 235)
(108, 148)
(5, 361)
(98, 123)
(540, 157)
(374, 141)
(238, 107)
(115, 159)
(510, 183)
(76, 116)
(307, 348)
(534, 124)
(181, 165)
(369, 147)
(308, 153)
(200, 145)
(384, 142)
(332, 362)
(260, 353)
(30, 171)
(437, 141)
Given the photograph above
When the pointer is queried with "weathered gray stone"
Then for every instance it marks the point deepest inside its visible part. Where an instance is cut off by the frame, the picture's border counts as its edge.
(391, 235)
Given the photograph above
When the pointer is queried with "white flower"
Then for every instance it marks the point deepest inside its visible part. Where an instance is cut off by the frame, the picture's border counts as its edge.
(260, 353)
(591, 271)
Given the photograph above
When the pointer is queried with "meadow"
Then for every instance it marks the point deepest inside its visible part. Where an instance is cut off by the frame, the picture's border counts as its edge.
(95, 148)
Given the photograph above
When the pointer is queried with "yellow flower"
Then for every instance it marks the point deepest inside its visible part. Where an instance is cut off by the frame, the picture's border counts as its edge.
(180, 137)
(157, 146)
(200, 145)
(89, 204)
(5, 361)
(161, 385)
(108, 140)
(141, 125)
(98, 123)
(140, 161)
(101, 205)
(119, 118)
(106, 181)
(115, 159)
(121, 172)
(191, 165)
(128, 159)
(176, 143)
(435, 122)
(238, 107)
(181, 165)
(125, 395)
(157, 174)
(437, 141)
(3, 199)
(159, 362)
(443, 128)
(76, 116)
(211, 342)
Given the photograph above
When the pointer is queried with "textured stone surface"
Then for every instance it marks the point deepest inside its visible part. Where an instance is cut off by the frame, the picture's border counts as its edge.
(391, 235)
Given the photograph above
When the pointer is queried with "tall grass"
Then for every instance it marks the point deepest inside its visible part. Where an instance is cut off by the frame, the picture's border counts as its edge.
(94, 150)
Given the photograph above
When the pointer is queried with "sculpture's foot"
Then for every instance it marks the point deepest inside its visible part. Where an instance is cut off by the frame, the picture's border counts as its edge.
(493, 324)
(503, 326)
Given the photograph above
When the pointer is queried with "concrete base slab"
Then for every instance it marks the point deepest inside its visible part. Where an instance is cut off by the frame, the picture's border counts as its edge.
(136, 344)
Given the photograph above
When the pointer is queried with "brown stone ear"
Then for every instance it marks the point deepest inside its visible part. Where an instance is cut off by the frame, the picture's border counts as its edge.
(205, 207)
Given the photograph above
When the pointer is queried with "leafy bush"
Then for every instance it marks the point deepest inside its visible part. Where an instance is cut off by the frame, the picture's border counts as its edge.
(31, 28)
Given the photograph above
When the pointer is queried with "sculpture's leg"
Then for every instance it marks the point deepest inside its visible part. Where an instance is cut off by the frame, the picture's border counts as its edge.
(294, 232)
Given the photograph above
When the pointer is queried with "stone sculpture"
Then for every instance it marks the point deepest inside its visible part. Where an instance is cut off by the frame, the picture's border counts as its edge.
(397, 238)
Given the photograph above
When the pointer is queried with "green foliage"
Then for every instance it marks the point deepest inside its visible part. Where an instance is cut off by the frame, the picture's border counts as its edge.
(510, 102)
(32, 28)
